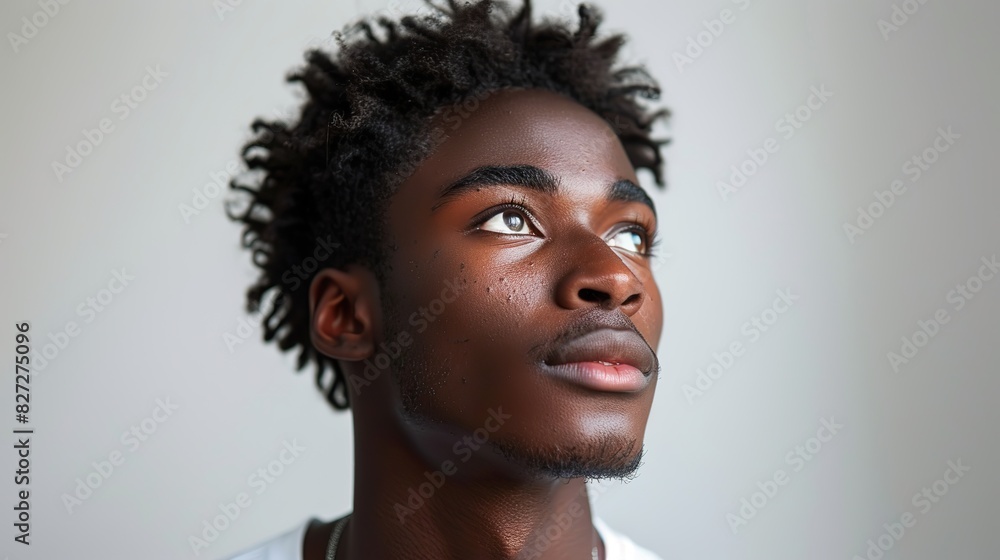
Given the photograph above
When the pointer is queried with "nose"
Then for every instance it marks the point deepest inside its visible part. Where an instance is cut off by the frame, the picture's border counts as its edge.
(596, 276)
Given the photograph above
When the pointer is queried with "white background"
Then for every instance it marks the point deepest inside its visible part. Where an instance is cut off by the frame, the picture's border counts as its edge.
(162, 336)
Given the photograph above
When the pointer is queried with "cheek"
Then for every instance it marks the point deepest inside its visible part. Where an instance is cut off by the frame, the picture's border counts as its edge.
(436, 294)
(650, 316)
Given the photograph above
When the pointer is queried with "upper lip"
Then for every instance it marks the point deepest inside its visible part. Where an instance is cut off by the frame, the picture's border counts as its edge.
(606, 345)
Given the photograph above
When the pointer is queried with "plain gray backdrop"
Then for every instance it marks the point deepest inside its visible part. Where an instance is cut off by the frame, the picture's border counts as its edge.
(869, 269)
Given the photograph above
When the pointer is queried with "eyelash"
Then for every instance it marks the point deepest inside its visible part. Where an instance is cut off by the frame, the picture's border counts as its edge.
(519, 203)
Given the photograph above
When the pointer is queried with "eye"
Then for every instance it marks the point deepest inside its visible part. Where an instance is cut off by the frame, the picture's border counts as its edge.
(508, 221)
(628, 239)
(510, 218)
(635, 239)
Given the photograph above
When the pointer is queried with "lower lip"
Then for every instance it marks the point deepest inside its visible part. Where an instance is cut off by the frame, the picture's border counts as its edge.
(599, 377)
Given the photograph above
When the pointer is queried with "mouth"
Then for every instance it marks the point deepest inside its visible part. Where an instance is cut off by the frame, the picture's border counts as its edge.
(608, 360)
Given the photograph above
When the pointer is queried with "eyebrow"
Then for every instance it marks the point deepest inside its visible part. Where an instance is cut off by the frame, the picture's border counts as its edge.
(534, 178)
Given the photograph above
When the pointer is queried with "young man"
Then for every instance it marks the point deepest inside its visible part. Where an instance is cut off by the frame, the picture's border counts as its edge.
(457, 240)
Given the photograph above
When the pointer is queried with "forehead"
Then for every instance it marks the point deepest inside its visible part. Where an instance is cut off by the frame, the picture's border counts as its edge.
(524, 126)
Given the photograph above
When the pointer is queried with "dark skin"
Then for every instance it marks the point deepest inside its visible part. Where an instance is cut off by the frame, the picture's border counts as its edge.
(527, 282)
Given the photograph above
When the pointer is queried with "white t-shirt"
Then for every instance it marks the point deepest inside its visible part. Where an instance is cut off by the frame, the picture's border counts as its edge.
(288, 546)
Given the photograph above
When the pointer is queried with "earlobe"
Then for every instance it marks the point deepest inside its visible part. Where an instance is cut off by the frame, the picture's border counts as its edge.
(342, 312)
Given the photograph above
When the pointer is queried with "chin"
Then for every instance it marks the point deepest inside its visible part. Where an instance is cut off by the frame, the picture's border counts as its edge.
(611, 456)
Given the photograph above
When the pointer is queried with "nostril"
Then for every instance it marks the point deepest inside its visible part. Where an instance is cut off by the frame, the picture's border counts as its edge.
(591, 295)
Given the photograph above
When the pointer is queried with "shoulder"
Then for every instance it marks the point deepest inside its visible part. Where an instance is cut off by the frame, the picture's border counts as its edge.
(619, 547)
(286, 546)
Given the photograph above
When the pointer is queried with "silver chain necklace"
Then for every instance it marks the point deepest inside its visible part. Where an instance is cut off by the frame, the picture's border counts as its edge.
(338, 529)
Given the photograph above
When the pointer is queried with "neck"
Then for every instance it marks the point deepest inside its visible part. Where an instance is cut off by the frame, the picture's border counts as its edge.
(410, 504)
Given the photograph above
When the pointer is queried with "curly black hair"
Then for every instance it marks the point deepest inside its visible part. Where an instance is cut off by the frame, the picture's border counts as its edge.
(324, 181)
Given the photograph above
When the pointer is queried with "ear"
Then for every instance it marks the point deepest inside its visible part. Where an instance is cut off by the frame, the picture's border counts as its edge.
(344, 312)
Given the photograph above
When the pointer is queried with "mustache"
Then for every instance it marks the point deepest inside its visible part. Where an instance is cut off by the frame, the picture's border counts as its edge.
(587, 322)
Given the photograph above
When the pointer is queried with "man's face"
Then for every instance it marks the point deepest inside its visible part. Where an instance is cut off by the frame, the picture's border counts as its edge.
(534, 270)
